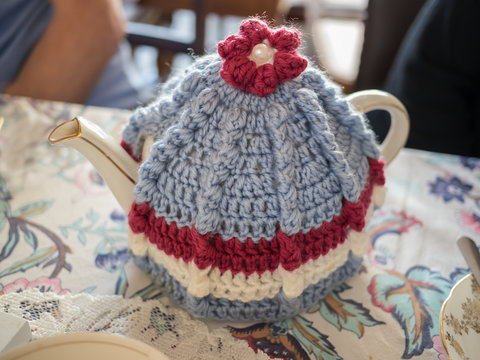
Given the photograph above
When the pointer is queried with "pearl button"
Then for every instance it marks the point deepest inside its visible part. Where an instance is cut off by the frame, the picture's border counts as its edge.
(262, 54)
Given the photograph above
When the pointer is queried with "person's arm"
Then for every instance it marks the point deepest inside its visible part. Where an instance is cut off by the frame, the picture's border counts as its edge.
(72, 53)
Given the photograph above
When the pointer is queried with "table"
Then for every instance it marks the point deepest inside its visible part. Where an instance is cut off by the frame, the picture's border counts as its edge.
(64, 264)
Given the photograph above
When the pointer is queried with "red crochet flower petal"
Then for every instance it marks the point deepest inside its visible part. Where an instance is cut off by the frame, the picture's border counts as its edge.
(285, 39)
(238, 72)
(265, 81)
(233, 46)
(254, 29)
(288, 66)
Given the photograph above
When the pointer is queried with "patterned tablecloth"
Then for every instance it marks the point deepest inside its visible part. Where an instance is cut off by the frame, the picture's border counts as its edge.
(63, 254)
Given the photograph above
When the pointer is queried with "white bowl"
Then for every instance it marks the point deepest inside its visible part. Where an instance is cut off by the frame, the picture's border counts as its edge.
(460, 320)
(81, 346)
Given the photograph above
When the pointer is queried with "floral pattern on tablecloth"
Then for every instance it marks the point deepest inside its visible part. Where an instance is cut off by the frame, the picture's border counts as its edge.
(62, 232)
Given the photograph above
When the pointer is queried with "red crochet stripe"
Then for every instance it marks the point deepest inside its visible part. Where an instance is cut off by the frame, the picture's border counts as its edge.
(128, 148)
(247, 257)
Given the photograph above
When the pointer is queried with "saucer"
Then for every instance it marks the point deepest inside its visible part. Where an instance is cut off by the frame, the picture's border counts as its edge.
(460, 320)
(80, 346)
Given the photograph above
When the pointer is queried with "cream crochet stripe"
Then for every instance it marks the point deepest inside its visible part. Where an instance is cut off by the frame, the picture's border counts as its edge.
(201, 283)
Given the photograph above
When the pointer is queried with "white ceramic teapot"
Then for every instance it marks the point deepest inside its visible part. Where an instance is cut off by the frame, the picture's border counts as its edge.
(250, 180)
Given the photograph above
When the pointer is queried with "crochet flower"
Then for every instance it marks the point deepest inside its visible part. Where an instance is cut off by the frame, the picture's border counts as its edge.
(257, 59)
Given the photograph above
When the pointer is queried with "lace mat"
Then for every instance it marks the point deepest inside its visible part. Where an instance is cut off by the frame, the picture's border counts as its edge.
(167, 328)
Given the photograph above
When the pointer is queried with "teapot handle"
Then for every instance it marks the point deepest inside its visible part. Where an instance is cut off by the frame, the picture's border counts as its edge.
(396, 138)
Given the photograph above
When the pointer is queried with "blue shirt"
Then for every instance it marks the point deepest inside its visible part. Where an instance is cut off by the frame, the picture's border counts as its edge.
(23, 22)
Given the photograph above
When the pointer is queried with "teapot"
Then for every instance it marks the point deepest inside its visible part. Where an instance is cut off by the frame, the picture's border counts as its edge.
(249, 181)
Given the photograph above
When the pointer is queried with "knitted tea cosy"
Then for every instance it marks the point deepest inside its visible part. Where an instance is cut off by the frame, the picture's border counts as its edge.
(253, 199)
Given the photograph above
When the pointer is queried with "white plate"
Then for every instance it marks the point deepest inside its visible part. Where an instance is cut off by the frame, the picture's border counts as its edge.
(81, 346)
(460, 320)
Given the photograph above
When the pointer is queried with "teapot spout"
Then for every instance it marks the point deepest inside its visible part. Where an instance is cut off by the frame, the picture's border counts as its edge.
(116, 167)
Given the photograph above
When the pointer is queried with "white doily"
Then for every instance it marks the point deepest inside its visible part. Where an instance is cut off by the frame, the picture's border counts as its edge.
(168, 329)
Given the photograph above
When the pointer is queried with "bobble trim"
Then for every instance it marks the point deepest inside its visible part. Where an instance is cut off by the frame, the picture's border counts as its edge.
(270, 309)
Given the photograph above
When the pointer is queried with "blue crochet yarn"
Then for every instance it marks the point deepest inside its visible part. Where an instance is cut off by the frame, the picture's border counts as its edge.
(278, 307)
(240, 165)
(153, 119)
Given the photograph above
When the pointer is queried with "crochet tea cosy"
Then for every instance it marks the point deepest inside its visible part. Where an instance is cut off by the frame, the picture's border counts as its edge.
(253, 199)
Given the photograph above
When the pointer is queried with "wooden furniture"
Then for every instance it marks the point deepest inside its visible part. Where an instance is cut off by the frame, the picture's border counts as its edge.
(164, 38)
(358, 53)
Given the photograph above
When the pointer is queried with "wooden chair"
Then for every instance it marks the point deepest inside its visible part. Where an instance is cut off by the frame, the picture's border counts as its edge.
(154, 28)
(163, 37)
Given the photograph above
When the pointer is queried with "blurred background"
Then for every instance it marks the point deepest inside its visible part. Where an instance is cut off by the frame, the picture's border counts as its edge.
(423, 52)
(355, 41)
